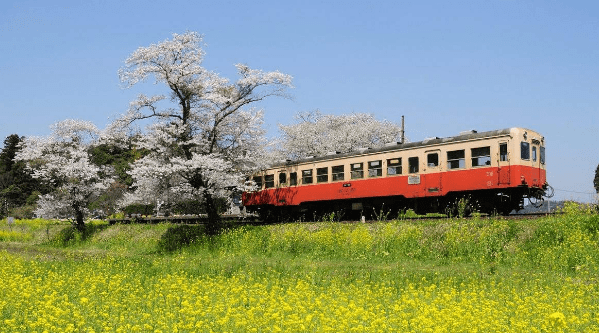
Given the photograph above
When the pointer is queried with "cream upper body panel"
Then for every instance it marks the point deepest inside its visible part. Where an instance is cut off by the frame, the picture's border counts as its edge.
(513, 146)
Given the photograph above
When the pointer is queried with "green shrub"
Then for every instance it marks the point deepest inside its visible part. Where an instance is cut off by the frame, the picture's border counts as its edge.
(22, 212)
(139, 209)
(177, 237)
(193, 207)
(72, 235)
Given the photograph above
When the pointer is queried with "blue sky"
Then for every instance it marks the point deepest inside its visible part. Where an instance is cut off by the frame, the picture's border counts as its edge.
(448, 66)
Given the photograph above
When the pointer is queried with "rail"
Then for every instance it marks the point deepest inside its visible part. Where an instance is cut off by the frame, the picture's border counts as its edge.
(252, 220)
(193, 219)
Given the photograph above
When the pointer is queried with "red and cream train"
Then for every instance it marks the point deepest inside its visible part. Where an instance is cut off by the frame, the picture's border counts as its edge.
(495, 170)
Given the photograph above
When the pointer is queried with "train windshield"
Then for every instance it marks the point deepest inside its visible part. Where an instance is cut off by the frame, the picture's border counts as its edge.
(542, 155)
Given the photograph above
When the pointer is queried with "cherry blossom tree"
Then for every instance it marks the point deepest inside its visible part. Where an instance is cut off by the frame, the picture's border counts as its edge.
(205, 135)
(63, 161)
(315, 134)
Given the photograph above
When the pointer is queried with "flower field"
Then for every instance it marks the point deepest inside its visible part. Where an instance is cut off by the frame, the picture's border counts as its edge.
(109, 295)
(457, 276)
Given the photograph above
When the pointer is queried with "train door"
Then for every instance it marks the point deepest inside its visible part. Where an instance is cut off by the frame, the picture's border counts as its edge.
(536, 160)
(433, 173)
(503, 170)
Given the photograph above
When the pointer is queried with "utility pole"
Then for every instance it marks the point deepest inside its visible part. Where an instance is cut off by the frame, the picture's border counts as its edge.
(403, 132)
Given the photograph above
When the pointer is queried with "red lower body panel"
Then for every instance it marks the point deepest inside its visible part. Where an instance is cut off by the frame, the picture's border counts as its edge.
(408, 186)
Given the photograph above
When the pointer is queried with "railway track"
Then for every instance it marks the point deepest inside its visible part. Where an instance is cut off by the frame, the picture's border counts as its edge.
(509, 217)
(176, 219)
(252, 220)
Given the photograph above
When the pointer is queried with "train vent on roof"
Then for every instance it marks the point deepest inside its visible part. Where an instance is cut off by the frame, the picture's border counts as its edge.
(363, 149)
(389, 144)
(332, 153)
(430, 139)
(468, 132)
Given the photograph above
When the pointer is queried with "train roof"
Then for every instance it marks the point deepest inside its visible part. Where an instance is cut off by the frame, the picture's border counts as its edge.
(464, 136)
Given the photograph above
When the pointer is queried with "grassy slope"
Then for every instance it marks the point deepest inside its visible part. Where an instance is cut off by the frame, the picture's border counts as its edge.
(559, 245)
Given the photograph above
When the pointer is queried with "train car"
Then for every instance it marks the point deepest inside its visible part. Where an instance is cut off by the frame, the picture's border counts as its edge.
(493, 171)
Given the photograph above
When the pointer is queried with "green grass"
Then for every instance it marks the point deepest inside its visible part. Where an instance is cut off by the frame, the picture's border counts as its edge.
(565, 244)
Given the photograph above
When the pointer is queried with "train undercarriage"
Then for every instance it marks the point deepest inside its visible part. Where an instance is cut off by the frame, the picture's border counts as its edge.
(491, 202)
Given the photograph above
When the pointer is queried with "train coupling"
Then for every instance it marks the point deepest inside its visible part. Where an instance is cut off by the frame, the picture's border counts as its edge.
(537, 195)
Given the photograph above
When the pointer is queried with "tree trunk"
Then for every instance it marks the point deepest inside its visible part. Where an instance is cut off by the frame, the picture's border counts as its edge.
(214, 226)
(79, 224)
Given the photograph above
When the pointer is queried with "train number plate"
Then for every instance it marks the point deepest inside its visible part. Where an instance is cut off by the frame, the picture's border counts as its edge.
(414, 180)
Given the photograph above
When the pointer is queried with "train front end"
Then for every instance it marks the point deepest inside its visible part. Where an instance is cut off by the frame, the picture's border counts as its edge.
(526, 167)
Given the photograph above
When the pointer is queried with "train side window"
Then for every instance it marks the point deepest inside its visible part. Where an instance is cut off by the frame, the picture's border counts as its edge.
(456, 159)
(282, 178)
(258, 181)
(542, 155)
(357, 170)
(394, 167)
(293, 178)
(525, 150)
(338, 172)
(534, 153)
(307, 176)
(269, 181)
(432, 160)
(375, 169)
(322, 175)
(503, 152)
(481, 156)
(413, 164)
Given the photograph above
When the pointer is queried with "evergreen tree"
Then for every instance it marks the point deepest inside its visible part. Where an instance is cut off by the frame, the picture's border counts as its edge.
(17, 187)
(120, 157)
(596, 180)
(11, 146)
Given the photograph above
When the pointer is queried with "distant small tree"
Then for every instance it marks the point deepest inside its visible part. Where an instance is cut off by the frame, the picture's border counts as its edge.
(596, 180)
(315, 134)
(62, 160)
